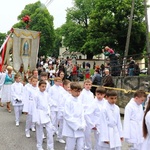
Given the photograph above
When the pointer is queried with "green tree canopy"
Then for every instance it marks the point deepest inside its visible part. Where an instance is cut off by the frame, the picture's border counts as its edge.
(41, 21)
(2, 38)
(109, 26)
(92, 24)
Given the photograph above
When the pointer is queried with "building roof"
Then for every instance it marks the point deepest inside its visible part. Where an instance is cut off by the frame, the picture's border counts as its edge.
(67, 52)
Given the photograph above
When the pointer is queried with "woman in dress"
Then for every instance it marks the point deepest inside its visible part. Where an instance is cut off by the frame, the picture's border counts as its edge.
(6, 88)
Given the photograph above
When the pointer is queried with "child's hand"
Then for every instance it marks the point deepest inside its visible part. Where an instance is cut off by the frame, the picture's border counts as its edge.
(25, 113)
(107, 142)
(94, 128)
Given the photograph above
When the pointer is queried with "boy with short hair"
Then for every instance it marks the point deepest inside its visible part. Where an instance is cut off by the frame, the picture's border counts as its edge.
(110, 124)
(87, 99)
(92, 117)
(64, 96)
(66, 85)
(133, 120)
(74, 122)
(44, 77)
(86, 96)
(29, 104)
(17, 97)
(42, 117)
(55, 94)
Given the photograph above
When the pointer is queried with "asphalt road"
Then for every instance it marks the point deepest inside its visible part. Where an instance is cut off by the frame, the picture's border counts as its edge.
(13, 138)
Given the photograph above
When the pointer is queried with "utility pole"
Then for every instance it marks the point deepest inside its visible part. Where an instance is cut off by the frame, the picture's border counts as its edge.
(147, 35)
(48, 2)
(128, 36)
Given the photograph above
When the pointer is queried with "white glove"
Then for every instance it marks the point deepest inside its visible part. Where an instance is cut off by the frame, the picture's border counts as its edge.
(81, 128)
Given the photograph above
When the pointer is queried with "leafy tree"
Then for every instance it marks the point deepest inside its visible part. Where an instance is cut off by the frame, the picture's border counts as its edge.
(92, 24)
(2, 38)
(111, 24)
(76, 28)
(57, 42)
(41, 21)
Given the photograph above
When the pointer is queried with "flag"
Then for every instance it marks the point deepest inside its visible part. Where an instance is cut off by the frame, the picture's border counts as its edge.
(3, 51)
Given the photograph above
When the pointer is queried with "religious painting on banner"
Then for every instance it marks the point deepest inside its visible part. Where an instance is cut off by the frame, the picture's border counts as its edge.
(25, 49)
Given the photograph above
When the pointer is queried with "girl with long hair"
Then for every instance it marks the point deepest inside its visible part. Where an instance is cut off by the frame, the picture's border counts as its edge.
(146, 128)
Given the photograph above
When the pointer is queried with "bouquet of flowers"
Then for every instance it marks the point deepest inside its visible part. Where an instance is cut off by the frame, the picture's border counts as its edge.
(26, 19)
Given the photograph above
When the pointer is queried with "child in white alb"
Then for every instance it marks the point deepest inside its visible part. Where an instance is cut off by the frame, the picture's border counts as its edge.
(74, 122)
(111, 134)
(133, 118)
(64, 96)
(42, 117)
(17, 97)
(86, 96)
(29, 104)
(44, 76)
(87, 99)
(92, 117)
(55, 95)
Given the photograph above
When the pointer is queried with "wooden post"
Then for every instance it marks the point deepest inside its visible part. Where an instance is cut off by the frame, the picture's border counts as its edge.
(128, 36)
(147, 35)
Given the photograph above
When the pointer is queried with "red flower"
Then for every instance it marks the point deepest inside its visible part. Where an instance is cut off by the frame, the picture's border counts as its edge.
(26, 19)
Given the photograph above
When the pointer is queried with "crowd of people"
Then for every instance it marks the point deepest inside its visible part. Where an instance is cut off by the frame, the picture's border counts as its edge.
(130, 68)
(133, 68)
(65, 109)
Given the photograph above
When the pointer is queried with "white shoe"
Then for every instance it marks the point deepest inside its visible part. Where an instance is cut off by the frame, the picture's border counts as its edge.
(56, 132)
(44, 137)
(33, 129)
(17, 123)
(28, 134)
(61, 141)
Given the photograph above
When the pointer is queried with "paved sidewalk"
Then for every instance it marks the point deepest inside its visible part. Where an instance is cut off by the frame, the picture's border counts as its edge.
(13, 138)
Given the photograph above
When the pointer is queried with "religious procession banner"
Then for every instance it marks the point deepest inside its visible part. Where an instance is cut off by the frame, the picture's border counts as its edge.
(8, 53)
(3, 49)
(25, 49)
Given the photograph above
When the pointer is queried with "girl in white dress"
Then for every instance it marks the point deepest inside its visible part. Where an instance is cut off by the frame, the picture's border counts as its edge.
(146, 128)
(6, 88)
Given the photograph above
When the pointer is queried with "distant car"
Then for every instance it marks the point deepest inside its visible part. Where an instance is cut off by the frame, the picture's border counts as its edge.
(144, 71)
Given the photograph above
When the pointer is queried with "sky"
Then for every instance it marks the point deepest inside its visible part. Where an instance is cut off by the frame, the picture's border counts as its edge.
(10, 9)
